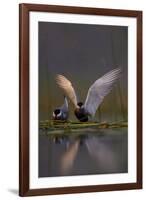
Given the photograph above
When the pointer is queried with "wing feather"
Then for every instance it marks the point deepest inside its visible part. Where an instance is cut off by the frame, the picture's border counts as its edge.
(64, 107)
(99, 89)
(67, 88)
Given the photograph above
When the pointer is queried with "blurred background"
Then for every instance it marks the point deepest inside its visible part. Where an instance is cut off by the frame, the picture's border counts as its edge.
(82, 53)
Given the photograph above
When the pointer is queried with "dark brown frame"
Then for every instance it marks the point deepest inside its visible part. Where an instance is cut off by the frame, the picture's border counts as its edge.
(24, 9)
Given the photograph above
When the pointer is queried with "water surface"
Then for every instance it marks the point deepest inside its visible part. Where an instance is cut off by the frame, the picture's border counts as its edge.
(92, 152)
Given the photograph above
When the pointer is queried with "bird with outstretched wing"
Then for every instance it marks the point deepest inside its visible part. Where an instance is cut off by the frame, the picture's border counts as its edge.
(96, 93)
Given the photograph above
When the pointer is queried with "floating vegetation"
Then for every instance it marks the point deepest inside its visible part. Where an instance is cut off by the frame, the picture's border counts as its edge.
(67, 127)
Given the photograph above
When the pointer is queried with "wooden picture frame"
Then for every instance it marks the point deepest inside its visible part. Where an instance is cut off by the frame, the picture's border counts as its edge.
(24, 81)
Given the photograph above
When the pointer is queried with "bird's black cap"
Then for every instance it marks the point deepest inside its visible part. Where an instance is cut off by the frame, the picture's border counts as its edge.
(80, 104)
(57, 111)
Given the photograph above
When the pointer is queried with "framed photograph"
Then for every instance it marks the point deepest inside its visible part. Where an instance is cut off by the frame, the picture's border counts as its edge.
(80, 99)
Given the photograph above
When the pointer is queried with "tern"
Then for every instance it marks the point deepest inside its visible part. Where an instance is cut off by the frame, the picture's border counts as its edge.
(95, 95)
(61, 113)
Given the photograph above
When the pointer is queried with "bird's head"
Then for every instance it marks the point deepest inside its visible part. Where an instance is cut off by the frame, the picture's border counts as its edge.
(80, 105)
(57, 113)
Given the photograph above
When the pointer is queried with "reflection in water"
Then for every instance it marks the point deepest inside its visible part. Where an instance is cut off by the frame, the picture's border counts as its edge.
(89, 153)
(68, 158)
(102, 153)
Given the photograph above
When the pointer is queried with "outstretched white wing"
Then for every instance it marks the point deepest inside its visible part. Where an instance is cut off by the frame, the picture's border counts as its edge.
(99, 90)
(67, 88)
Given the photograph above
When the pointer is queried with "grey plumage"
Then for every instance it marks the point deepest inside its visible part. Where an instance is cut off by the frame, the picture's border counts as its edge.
(64, 107)
(100, 88)
(61, 113)
(96, 93)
